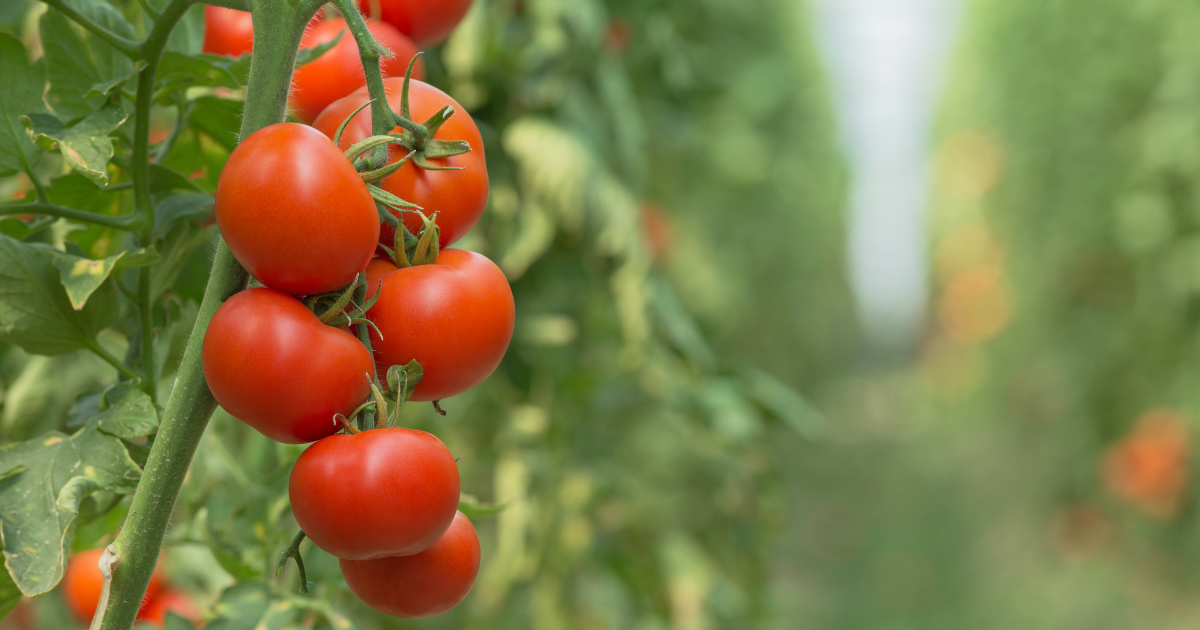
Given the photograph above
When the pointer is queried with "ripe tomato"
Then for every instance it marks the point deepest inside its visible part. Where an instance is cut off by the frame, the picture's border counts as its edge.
(459, 197)
(227, 31)
(428, 583)
(170, 600)
(383, 492)
(83, 582)
(295, 212)
(273, 365)
(454, 317)
(339, 71)
(427, 22)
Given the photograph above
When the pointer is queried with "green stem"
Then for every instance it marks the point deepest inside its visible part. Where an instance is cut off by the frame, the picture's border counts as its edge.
(111, 360)
(128, 47)
(164, 149)
(383, 119)
(130, 560)
(145, 305)
(121, 222)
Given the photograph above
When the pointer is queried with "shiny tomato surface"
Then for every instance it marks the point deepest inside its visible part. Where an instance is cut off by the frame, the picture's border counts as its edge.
(454, 317)
(427, 22)
(378, 493)
(295, 212)
(273, 365)
(458, 196)
(428, 583)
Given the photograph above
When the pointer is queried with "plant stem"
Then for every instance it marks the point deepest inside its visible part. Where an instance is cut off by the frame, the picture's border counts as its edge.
(128, 47)
(130, 560)
(122, 222)
(113, 361)
(383, 119)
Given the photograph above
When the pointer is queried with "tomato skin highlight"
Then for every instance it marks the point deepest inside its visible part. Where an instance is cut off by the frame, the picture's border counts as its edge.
(227, 31)
(421, 585)
(82, 583)
(339, 71)
(459, 197)
(427, 22)
(273, 365)
(295, 212)
(454, 317)
(382, 492)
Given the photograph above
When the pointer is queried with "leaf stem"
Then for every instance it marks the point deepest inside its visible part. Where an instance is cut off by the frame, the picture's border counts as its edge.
(120, 222)
(293, 551)
(127, 47)
(383, 119)
(99, 351)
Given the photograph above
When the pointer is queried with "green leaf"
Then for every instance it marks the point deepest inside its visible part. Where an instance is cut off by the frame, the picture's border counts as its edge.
(175, 246)
(163, 179)
(786, 404)
(10, 595)
(43, 482)
(175, 622)
(188, 35)
(35, 312)
(82, 276)
(184, 207)
(178, 71)
(77, 60)
(219, 118)
(21, 94)
(309, 55)
(470, 505)
(85, 146)
(130, 412)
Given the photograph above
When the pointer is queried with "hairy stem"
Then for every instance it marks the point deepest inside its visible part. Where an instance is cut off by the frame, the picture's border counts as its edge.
(123, 222)
(130, 560)
(383, 119)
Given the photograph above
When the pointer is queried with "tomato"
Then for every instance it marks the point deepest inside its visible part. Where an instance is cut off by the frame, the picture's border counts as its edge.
(428, 583)
(83, 582)
(295, 212)
(383, 492)
(427, 22)
(273, 365)
(227, 31)
(459, 197)
(454, 317)
(170, 600)
(339, 71)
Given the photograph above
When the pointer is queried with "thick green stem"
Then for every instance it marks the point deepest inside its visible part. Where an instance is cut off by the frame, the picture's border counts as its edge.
(130, 560)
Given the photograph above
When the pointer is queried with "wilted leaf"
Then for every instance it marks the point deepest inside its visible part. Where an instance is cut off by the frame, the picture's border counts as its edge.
(43, 481)
(82, 276)
(85, 146)
(35, 312)
(178, 71)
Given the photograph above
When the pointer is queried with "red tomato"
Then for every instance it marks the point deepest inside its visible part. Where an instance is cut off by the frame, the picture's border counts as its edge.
(83, 582)
(428, 583)
(273, 365)
(339, 71)
(383, 492)
(295, 212)
(427, 22)
(454, 317)
(227, 31)
(170, 600)
(458, 197)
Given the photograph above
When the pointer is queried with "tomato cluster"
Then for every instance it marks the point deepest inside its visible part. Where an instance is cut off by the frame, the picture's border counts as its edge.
(83, 583)
(334, 255)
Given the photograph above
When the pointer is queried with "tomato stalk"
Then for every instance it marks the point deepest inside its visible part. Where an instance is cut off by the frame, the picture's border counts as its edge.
(130, 560)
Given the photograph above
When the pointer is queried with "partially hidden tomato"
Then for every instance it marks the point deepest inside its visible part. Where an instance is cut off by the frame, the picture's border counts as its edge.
(427, 22)
(169, 601)
(339, 71)
(454, 317)
(273, 365)
(458, 196)
(227, 31)
(428, 583)
(83, 582)
(294, 211)
(382, 492)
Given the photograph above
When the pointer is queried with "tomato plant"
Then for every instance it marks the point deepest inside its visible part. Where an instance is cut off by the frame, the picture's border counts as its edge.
(273, 365)
(454, 317)
(458, 196)
(427, 583)
(83, 582)
(295, 212)
(338, 71)
(384, 492)
(427, 23)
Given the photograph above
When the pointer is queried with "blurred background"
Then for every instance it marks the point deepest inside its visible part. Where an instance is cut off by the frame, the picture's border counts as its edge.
(833, 314)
